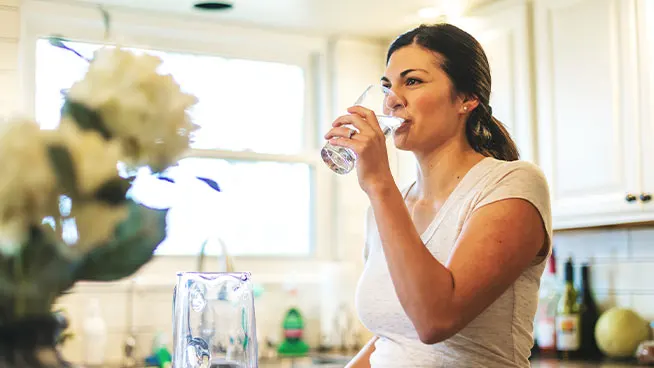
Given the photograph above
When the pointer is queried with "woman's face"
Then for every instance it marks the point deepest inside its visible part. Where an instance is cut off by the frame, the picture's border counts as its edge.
(435, 113)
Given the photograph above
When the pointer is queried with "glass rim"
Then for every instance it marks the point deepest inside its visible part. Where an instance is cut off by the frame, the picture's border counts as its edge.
(214, 273)
(385, 90)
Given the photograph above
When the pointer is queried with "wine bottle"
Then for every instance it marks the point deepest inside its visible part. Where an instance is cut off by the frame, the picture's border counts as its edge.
(568, 321)
(589, 316)
(545, 321)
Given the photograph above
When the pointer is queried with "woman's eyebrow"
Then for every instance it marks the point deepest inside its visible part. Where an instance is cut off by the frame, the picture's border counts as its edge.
(403, 74)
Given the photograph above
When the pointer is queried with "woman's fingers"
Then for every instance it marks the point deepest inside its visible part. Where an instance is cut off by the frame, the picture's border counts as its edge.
(356, 146)
(353, 121)
(367, 115)
(341, 132)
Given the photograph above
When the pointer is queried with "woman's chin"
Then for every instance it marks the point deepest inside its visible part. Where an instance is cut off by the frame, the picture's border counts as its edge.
(401, 142)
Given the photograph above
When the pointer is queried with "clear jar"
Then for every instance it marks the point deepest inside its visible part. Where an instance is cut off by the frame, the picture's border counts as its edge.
(214, 321)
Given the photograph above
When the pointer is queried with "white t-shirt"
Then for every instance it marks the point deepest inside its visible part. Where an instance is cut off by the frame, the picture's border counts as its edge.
(501, 336)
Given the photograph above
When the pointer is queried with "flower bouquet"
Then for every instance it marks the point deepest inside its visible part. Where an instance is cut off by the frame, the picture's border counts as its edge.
(65, 210)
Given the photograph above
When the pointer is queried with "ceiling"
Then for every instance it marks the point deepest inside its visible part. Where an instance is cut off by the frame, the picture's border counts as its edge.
(363, 18)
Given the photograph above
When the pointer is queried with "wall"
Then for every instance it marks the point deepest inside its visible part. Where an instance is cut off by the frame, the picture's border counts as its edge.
(622, 261)
(9, 70)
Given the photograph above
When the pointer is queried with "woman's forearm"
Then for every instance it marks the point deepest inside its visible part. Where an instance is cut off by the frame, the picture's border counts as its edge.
(423, 285)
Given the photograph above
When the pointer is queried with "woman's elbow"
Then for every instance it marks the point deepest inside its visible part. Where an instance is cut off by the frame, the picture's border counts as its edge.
(430, 334)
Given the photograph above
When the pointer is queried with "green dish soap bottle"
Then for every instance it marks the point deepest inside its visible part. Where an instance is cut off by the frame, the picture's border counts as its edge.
(293, 345)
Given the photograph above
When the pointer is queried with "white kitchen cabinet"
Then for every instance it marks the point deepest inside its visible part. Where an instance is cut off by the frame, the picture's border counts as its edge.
(502, 29)
(645, 14)
(589, 117)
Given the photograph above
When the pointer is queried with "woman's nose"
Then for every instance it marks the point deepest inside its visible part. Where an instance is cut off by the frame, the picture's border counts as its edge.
(393, 103)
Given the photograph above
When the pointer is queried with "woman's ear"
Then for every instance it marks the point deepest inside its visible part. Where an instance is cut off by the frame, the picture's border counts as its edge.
(468, 104)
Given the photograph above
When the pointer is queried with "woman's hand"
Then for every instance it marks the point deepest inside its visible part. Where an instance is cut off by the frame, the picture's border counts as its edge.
(369, 144)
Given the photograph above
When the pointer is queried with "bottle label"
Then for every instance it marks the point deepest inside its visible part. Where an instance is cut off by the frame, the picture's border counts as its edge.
(545, 332)
(568, 335)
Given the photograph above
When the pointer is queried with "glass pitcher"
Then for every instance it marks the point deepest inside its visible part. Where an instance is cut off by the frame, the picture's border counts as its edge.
(214, 324)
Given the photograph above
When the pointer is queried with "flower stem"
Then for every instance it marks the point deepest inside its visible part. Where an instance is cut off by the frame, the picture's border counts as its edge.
(19, 301)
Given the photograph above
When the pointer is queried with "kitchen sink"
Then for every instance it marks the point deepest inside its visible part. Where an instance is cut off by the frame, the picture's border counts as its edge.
(330, 360)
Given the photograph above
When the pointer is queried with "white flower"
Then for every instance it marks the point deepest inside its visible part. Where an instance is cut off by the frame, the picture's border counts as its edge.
(145, 110)
(95, 161)
(27, 183)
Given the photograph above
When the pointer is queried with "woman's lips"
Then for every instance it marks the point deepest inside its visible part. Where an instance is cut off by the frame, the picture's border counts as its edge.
(404, 126)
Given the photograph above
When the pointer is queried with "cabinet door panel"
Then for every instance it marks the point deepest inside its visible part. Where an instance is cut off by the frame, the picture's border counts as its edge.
(587, 122)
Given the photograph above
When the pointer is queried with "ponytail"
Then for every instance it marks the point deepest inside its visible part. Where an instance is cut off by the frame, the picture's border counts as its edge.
(489, 136)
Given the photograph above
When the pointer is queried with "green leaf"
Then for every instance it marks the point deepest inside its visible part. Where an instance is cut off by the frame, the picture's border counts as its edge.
(58, 41)
(106, 21)
(62, 162)
(134, 244)
(85, 117)
(113, 191)
(46, 264)
(30, 281)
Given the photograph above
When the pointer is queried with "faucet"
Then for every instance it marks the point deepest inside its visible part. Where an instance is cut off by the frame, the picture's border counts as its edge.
(227, 264)
(206, 328)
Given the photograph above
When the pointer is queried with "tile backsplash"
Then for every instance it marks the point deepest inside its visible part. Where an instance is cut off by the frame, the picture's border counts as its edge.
(622, 264)
(322, 287)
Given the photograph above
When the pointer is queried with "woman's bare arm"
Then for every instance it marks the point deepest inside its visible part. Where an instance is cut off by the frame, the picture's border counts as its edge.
(495, 246)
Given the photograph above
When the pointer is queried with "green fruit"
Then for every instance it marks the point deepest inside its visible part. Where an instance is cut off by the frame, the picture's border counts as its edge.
(619, 331)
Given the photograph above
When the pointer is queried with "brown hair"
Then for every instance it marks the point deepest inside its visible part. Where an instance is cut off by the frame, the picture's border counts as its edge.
(465, 63)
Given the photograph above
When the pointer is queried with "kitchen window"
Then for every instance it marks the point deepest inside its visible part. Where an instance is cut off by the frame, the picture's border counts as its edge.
(255, 141)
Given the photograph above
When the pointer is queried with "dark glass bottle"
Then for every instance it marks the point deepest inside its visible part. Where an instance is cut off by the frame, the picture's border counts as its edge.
(589, 316)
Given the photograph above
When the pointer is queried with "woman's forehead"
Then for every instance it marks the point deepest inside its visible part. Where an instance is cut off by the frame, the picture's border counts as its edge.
(412, 57)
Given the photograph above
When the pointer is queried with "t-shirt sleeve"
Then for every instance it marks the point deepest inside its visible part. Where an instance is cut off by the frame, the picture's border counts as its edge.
(524, 180)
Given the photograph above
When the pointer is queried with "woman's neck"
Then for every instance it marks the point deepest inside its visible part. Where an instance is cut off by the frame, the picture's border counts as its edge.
(440, 171)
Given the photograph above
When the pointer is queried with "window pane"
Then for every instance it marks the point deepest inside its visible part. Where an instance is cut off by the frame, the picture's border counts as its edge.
(56, 70)
(264, 208)
(244, 105)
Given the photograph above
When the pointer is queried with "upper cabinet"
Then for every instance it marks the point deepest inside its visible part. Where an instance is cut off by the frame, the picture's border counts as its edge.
(503, 31)
(590, 121)
(573, 81)
(645, 16)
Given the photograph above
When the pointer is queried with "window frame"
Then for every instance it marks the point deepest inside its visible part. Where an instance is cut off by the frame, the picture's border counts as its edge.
(186, 35)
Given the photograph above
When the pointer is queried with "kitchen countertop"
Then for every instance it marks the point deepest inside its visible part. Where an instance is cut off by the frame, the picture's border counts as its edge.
(311, 361)
(535, 363)
(554, 363)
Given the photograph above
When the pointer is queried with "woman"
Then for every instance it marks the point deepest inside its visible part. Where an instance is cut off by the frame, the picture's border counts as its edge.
(453, 262)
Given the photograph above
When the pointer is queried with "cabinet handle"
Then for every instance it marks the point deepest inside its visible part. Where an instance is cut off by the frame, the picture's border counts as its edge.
(645, 197)
(630, 198)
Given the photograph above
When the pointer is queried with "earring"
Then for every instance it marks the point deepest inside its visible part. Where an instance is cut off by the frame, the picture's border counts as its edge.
(465, 108)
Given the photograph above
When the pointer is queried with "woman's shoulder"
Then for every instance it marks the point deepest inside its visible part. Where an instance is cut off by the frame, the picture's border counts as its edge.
(518, 171)
(513, 179)
(516, 179)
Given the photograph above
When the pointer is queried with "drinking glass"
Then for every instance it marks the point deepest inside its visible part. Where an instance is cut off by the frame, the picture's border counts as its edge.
(213, 321)
(390, 112)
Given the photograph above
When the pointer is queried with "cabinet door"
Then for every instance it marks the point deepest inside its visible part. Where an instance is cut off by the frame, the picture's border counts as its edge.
(645, 14)
(503, 31)
(587, 109)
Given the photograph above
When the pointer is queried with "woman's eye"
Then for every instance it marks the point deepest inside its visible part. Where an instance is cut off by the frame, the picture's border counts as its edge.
(412, 81)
